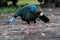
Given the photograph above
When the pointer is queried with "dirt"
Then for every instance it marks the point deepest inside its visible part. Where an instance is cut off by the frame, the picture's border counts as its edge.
(45, 31)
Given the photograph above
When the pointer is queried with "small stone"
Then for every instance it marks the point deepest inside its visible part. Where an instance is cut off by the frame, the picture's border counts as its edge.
(50, 9)
(43, 34)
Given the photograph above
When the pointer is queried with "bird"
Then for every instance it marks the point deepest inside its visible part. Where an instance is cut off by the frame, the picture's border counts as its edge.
(29, 13)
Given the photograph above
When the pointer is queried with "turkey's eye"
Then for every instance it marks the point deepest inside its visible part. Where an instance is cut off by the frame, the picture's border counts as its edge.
(37, 12)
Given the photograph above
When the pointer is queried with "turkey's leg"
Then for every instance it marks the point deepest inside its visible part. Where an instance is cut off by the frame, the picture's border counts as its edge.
(27, 30)
(35, 26)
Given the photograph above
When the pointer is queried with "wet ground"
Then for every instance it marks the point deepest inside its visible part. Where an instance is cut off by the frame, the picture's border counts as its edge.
(45, 31)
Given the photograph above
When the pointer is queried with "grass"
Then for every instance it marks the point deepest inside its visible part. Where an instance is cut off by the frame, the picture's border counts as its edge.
(9, 9)
(23, 2)
(14, 9)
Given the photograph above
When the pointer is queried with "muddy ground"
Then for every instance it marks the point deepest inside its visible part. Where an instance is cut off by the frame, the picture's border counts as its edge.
(45, 31)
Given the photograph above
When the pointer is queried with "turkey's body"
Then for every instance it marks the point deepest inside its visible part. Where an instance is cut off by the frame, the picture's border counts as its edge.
(26, 14)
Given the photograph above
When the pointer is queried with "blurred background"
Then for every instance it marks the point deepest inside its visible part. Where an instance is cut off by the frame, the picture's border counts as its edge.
(13, 5)
(49, 31)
